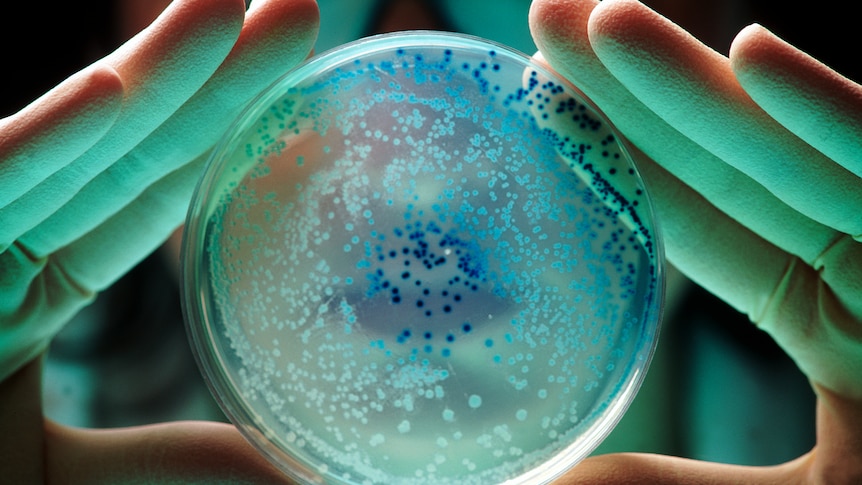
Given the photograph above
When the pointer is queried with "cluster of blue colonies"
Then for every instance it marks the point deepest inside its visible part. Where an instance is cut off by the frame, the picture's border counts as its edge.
(431, 264)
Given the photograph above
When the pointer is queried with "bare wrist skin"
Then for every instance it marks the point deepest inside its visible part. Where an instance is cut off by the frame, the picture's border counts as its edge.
(36, 450)
(837, 458)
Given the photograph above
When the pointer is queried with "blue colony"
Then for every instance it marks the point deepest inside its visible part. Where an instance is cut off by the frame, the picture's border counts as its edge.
(433, 265)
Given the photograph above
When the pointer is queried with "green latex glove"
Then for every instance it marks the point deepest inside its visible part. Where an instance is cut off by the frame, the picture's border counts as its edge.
(754, 166)
(753, 163)
(98, 172)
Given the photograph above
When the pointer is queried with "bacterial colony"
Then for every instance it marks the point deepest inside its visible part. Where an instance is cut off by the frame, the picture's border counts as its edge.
(430, 265)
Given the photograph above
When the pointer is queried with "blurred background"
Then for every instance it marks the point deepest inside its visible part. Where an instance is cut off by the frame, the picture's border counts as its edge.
(718, 389)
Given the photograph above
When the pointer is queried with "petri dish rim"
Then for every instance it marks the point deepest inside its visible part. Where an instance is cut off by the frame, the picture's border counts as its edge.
(197, 306)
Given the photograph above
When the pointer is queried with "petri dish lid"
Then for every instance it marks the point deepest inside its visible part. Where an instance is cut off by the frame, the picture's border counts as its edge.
(422, 258)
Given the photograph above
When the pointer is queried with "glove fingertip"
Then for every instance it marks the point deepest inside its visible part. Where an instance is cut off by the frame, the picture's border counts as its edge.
(56, 128)
(101, 94)
(756, 50)
(627, 28)
(748, 44)
(301, 9)
(97, 90)
(560, 24)
(296, 19)
(806, 96)
(621, 18)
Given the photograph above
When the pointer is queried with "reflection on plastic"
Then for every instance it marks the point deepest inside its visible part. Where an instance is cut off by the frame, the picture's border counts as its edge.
(428, 262)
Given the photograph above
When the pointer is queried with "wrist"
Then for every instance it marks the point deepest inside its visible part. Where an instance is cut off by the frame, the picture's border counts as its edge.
(837, 457)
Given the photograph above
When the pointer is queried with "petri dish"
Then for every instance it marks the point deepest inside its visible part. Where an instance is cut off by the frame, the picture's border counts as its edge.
(422, 258)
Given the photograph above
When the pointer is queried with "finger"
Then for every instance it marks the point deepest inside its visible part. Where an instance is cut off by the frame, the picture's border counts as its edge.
(276, 36)
(814, 102)
(56, 128)
(108, 251)
(188, 452)
(38, 295)
(160, 68)
(559, 28)
(167, 62)
(560, 31)
(694, 89)
(707, 245)
(647, 469)
(821, 107)
(36, 299)
(813, 322)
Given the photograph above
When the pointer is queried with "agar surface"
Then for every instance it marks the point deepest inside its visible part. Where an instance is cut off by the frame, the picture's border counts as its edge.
(430, 266)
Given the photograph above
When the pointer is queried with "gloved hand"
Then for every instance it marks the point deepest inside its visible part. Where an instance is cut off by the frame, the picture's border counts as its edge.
(753, 163)
(98, 172)
(94, 176)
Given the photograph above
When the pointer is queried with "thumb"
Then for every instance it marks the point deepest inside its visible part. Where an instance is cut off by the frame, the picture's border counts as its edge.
(186, 452)
(649, 469)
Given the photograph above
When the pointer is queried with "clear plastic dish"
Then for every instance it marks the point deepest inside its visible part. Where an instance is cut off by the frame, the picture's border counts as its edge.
(422, 258)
